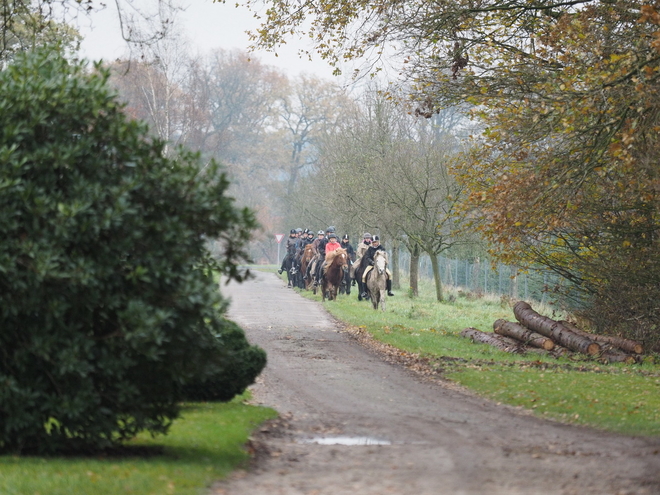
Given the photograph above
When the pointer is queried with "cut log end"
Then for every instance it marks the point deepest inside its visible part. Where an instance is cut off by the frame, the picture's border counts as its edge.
(548, 345)
(593, 349)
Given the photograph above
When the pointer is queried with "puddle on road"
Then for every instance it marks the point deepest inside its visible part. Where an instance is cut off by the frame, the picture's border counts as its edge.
(350, 441)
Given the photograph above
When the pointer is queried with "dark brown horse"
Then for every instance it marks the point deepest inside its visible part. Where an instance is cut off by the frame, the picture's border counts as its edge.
(336, 264)
(306, 259)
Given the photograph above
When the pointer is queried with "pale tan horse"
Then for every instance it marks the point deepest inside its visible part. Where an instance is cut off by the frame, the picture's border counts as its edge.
(377, 280)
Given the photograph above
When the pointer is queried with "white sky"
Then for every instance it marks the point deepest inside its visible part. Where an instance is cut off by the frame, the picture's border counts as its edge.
(208, 25)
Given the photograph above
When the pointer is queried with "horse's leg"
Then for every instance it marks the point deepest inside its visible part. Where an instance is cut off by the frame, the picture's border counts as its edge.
(374, 300)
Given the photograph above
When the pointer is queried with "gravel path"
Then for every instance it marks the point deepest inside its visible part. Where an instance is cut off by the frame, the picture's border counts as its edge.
(353, 423)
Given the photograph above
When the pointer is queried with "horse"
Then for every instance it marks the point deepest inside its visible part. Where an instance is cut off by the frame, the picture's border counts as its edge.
(336, 264)
(377, 280)
(288, 266)
(306, 259)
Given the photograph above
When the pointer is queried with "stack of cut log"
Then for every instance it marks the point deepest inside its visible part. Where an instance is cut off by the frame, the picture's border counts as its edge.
(540, 334)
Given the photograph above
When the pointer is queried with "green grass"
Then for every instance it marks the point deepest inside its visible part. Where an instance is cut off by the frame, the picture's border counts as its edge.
(204, 445)
(615, 397)
(617, 400)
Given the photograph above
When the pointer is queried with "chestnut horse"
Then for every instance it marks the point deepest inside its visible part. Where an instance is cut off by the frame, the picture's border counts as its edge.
(336, 264)
(305, 260)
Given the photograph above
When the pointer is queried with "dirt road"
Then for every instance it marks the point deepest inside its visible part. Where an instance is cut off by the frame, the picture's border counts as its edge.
(354, 424)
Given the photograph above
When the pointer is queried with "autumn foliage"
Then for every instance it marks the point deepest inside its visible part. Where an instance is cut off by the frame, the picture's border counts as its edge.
(566, 176)
(565, 173)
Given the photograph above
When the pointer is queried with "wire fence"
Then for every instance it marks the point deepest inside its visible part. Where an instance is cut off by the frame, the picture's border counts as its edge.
(481, 276)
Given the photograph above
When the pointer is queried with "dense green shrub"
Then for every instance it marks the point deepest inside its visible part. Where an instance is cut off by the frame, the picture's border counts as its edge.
(108, 306)
(230, 377)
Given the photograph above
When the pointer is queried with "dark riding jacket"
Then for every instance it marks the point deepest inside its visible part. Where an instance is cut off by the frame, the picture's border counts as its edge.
(349, 250)
(291, 245)
(321, 247)
(371, 252)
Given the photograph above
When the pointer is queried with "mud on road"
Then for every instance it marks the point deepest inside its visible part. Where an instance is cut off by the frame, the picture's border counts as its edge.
(354, 423)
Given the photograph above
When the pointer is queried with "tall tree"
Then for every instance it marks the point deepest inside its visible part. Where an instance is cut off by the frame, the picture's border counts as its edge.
(392, 169)
(155, 87)
(306, 112)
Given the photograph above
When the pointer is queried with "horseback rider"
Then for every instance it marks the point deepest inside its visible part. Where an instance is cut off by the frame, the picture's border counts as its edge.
(347, 246)
(307, 238)
(321, 254)
(361, 249)
(311, 268)
(369, 261)
(317, 241)
(290, 250)
(332, 243)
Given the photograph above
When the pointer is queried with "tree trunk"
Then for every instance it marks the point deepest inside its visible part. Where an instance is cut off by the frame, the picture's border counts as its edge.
(554, 330)
(623, 344)
(503, 343)
(396, 279)
(414, 270)
(525, 335)
(436, 277)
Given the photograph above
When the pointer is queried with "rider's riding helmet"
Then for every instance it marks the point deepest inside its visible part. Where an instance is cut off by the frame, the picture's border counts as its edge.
(332, 236)
(330, 229)
(376, 238)
(293, 231)
(320, 232)
(298, 230)
(366, 235)
(345, 238)
(310, 232)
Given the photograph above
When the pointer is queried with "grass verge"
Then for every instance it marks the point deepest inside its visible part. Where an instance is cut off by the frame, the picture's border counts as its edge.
(616, 397)
(204, 445)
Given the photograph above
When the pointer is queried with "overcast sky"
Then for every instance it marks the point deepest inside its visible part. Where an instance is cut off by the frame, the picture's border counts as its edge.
(208, 25)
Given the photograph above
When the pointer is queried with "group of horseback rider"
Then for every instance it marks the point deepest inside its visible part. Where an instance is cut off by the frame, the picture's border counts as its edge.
(325, 242)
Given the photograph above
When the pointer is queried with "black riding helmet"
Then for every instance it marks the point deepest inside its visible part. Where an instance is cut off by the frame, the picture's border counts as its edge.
(293, 231)
(345, 238)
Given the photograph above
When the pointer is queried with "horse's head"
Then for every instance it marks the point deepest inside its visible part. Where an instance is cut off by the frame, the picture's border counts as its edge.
(380, 261)
(342, 256)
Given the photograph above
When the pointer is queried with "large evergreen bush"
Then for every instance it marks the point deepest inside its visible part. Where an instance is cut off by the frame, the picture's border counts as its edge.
(108, 308)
